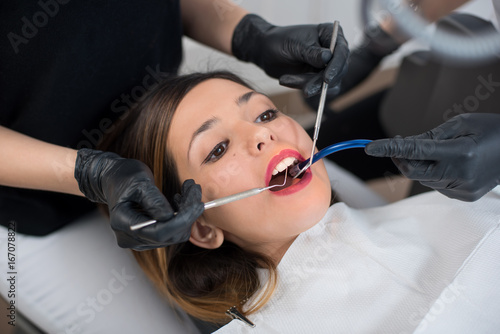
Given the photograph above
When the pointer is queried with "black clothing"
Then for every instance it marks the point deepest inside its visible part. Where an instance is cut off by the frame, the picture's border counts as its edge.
(67, 69)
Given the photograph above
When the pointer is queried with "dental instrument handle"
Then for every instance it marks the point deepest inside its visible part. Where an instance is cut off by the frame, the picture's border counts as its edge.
(321, 107)
(244, 194)
(144, 224)
(220, 201)
(209, 205)
(324, 88)
(231, 198)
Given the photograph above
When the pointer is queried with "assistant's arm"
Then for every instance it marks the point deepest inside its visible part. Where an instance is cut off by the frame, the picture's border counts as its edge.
(34, 164)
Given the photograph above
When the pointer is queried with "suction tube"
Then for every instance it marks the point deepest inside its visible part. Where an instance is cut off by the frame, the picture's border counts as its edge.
(471, 49)
(357, 143)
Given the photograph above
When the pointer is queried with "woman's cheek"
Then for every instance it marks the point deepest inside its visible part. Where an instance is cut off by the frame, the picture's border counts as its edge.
(291, 131)
(225, 179)
(235, 218)
(282, 124)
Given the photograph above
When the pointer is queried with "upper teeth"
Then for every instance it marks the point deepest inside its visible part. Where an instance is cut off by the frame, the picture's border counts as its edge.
(287, 162)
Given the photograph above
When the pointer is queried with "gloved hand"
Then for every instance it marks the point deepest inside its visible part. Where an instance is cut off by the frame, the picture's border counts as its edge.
(298, 55)
(127, 187)
(376, 45)
(460, 158)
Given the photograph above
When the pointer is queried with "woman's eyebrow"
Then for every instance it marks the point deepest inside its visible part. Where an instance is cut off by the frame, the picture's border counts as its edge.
(208, 124)
(246, 97)
(204, 127)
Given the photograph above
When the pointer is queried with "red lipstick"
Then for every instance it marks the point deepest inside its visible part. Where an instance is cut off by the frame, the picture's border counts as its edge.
(297, 184)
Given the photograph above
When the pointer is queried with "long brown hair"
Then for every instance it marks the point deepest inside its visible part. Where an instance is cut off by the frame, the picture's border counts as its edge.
(205, 283)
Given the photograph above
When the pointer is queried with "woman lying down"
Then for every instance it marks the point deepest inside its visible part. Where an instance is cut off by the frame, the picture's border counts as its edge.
(285, 259)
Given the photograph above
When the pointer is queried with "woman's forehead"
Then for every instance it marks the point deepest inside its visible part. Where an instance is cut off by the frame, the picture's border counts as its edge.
(213, 92)
(210, 99)
(207, 100)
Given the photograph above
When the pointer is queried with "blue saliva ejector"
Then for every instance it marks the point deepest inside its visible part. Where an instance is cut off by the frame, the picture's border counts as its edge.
(356, 143)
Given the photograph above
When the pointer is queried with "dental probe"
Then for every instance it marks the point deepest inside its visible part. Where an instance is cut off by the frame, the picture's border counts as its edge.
(298, 168)
(220, 201)
(244, 194)
(321, 107)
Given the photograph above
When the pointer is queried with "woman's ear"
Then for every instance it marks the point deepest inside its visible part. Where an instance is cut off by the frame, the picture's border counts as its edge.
(205, 235)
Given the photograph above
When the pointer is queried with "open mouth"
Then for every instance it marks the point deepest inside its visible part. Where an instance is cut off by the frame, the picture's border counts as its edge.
(279, 172)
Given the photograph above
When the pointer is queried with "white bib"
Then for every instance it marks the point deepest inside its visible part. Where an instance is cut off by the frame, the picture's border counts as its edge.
(427, 264)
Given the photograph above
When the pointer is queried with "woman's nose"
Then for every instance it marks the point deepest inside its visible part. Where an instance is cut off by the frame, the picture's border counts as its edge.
(260, 138)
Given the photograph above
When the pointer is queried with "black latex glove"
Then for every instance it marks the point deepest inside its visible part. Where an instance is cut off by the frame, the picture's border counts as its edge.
(460, 158)
(363, 60)
(298, 55)
(127, 187)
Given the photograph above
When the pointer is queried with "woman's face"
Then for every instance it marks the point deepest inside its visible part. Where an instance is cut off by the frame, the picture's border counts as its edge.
(229, 139)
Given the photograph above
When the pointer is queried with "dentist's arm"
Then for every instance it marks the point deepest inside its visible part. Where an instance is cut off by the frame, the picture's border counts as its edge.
(298, 55)
(211, 22)
(460, 158)
(125, 185)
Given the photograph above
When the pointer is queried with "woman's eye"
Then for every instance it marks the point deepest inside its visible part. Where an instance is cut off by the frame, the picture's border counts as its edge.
(267, 116)
(217, 152)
